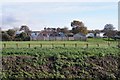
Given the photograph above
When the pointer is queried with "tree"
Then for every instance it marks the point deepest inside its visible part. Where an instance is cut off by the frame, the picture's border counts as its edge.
(78, 26)
(64, 30)
(26, 29)
(11, 33)
(76, 23)
(83, 30)
(58, 29)
(80, 29)
(109, 30)
(5, 36)
(22, 37)
(26, 34)
(108, 27)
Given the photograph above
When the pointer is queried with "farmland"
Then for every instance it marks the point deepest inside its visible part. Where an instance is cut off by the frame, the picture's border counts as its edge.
(90, 42)
(61, 61)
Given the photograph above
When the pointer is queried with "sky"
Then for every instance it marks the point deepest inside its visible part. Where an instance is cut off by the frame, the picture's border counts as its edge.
(39, 14)
(119, 16)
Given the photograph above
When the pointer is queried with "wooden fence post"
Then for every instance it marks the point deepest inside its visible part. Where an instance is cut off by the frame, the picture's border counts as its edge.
(29, 45)
(4, 45)
(108, 44)
(17, 45)
(41, 45)
(86, 45)
(75, 45)
(53, 45)
(64, 44)
(98, 45)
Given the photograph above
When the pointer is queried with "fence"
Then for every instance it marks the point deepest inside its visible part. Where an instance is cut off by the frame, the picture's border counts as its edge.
(30, 45)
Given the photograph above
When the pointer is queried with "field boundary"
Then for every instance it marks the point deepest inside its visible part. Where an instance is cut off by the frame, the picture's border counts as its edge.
(30, 45)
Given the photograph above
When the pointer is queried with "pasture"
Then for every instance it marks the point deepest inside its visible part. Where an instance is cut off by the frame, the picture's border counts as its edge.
(89, 43)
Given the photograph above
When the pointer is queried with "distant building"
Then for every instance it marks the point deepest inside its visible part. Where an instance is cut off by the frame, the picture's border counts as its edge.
(80, 36)
(100, 35)
(70, 36)
(90, 35)
(34, 35)
(53, 34)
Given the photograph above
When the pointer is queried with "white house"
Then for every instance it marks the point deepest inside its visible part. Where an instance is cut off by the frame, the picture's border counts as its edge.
(90, 35)
(100, 35)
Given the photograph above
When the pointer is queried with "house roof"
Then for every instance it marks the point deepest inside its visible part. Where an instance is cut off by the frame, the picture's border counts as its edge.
(80, 34)
(46, 32)
(35, 31)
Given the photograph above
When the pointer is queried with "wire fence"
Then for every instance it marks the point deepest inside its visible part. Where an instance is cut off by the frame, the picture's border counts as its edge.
(41, 45)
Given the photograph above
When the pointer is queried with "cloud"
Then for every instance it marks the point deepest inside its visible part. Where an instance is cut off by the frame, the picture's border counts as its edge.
(39, 15)
(49, 8)
(8, 19)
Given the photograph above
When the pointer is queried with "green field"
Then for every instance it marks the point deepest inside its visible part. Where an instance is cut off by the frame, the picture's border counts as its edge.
(90, 42)
(59, 61)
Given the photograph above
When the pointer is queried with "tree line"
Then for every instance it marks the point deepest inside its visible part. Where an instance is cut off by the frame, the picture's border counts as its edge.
(77, 27)
(11, 35)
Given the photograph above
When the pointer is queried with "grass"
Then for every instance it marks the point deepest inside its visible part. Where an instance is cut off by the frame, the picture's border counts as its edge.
(91, 42)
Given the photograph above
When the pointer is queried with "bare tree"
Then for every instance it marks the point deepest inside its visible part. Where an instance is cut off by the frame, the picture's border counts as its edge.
(109, 30)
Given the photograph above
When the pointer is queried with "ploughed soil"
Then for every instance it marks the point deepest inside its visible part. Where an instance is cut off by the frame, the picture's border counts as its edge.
(107, 67)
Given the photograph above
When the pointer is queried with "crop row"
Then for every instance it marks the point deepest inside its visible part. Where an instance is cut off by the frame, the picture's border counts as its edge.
(61, 62)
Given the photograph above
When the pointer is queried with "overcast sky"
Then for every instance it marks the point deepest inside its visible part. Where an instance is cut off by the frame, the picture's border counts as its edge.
(39, 14)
